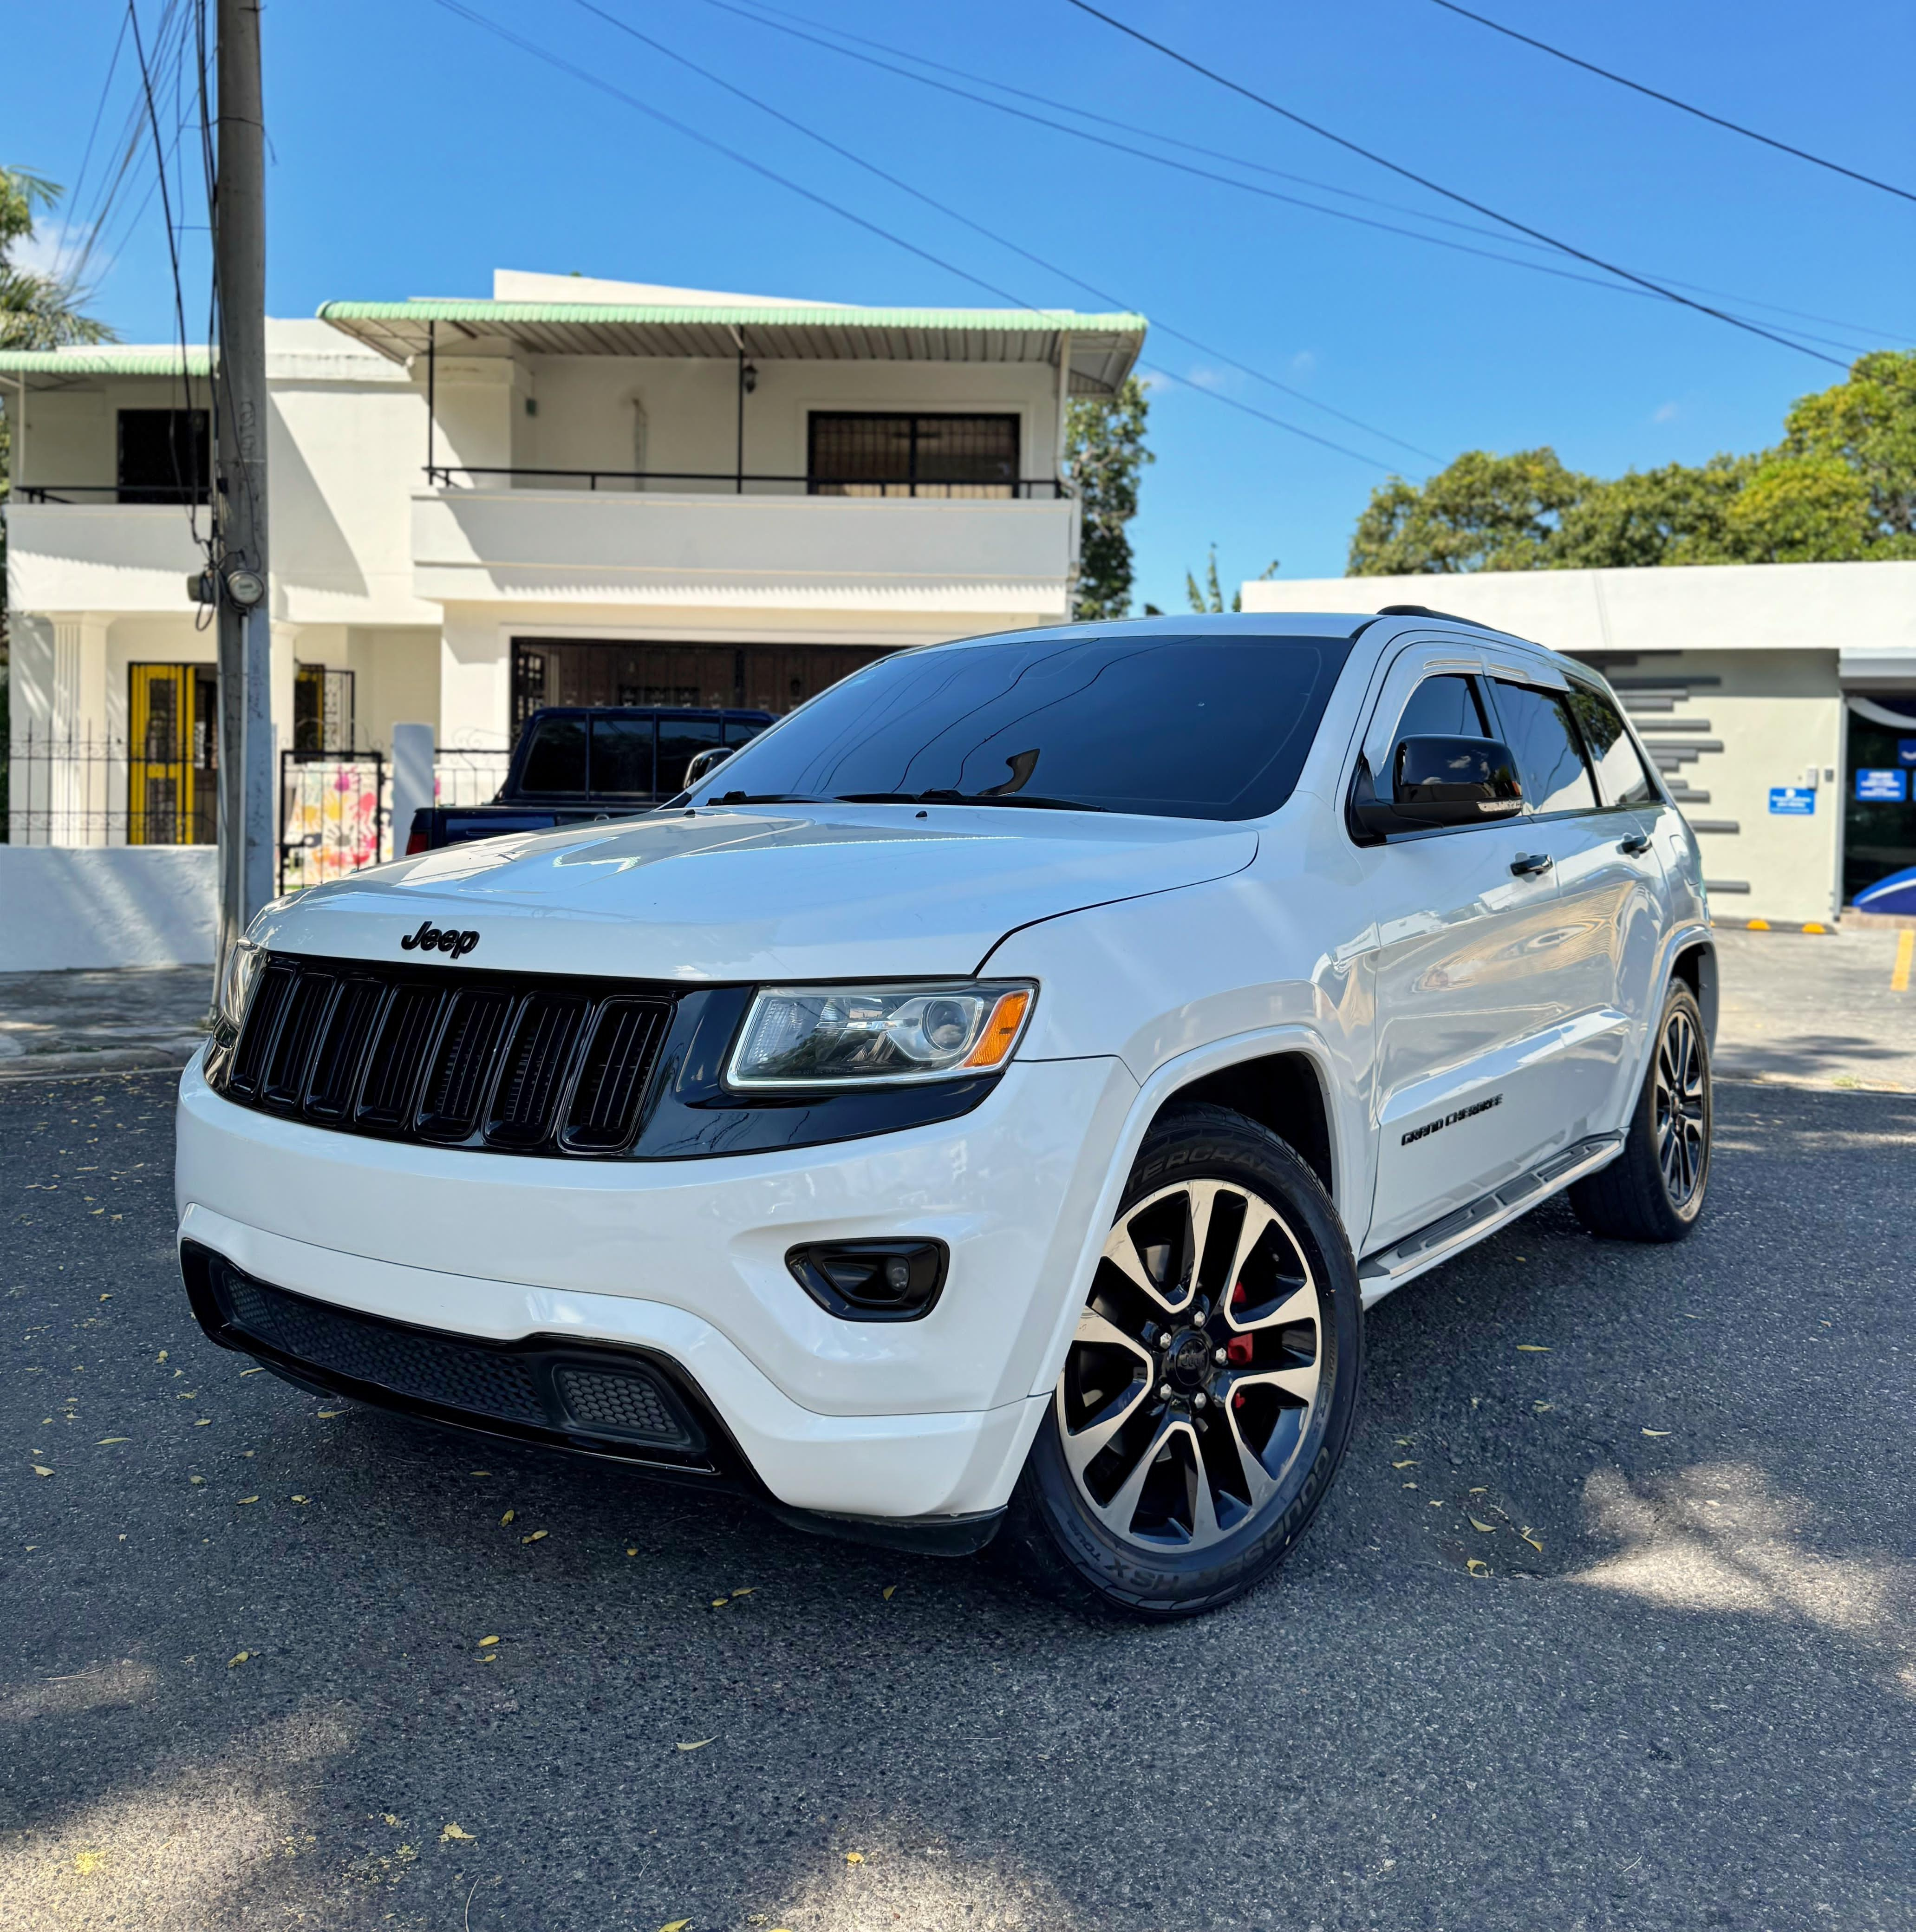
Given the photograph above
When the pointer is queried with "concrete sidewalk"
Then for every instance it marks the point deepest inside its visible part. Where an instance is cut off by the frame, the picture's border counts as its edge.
(101, 1022)
(1805, 1009)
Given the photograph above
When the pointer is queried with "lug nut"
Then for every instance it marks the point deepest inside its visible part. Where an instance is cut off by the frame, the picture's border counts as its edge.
(1164, 1338)
(1220, 1356)
(1164, 1391)
(1198, 1401)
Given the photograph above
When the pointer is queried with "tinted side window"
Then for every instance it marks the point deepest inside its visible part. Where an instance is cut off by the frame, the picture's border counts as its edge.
(1619, 770)
(1537, 728)
(1444, 707)
(680, 740)
(622, 756)
(556, 761)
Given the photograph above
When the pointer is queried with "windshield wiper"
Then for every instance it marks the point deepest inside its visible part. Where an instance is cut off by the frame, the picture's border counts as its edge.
(764, 798)
(1041, 803)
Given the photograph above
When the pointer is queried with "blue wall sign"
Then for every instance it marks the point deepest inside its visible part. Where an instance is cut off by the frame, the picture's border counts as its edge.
(1906, 751)
(1793, 801)
(1889, 787)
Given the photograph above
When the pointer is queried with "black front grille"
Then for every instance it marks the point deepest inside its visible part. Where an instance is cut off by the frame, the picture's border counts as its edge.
(584, 1395)
(518, 1063)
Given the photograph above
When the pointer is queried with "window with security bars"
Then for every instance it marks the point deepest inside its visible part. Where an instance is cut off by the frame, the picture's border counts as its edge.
(867, 453)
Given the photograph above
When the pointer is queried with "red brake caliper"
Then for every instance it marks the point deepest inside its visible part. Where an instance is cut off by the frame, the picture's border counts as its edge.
(1238, 1349)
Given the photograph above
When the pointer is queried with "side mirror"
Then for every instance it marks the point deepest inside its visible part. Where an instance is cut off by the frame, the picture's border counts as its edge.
(704, 763)
(1440, 781)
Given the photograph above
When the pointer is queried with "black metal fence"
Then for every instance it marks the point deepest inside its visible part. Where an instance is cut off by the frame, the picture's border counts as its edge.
(99, 788)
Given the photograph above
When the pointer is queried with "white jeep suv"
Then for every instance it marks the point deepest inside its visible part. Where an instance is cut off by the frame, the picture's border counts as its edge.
(984, 1104)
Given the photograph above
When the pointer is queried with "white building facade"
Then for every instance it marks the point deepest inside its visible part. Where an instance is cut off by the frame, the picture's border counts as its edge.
(1779, 699)
(573, 492)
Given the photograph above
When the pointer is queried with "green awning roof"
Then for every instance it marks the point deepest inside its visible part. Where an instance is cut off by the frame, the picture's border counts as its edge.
(106, 359)
(1103, 347)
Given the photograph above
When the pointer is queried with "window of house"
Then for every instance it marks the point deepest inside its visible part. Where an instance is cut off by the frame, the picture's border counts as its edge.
(868, 454)
(1538, 729)
(163, 456)
(1620, 770)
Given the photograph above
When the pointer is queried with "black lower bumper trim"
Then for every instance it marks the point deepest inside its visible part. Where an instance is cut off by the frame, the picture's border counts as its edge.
(628, 1404)
(920, 1535)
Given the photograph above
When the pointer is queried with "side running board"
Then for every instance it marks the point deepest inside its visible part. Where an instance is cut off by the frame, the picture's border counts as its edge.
(1391, 1267)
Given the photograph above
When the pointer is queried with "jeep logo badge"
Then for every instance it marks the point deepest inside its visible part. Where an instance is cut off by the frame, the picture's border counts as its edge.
(430, 939)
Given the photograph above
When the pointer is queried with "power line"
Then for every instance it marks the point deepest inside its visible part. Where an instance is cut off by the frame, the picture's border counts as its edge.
(756, 11)
(1671, 101)
(457, 7)
(1449, 194)
(979, 228)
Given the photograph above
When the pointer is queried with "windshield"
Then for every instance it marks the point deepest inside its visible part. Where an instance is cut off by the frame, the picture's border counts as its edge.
(1205, 727)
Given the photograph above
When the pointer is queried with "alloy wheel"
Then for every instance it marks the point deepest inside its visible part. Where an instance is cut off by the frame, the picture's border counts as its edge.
(1680, 1106)
(1191, 1384)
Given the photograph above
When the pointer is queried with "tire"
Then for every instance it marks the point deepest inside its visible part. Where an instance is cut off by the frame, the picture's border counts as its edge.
(1139, 1503)
(1653, 1190)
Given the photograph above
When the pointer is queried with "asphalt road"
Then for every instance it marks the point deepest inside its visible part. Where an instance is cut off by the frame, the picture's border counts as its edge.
(244, 1682)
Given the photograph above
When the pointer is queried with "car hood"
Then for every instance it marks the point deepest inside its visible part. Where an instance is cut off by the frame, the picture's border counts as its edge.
(863, 892)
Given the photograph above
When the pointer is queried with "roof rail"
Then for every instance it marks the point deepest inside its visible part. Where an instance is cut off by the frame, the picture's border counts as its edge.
(1423, 611)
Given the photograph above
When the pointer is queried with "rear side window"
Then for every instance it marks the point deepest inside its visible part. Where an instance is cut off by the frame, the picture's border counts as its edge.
(1538, 729)
(1619, 770)
(622, 757)
(1444, 707)
(555, 760)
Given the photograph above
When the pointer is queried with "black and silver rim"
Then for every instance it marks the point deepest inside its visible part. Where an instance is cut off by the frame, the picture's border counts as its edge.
(1191, 1387)
(1681, 1104)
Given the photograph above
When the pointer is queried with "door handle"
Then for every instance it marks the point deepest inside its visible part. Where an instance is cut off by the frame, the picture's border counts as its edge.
(1637, 844)
(1531, 865)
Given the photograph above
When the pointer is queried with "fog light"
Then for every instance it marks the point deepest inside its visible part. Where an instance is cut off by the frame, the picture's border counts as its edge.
(871, 1281)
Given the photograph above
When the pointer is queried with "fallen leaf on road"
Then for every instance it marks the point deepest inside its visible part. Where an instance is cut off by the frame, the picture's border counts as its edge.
(888, 1588)
(1410, 1485)
(452, 1834)
(253, 1372)
(249, 1499)
(632, 1552)
(105, 1439)
(327, 1414)
(746, 1591)
(302, 1499)
(484, 1640)
(391, 1819)
(719, 1603)
(196, 1480)
(854, 1858)
(509, 1515)
(677, 1925)
(1486, 1528)
(700, 1745)
(41, 1469)
(204, 1422)
(161, 1356)
(1481, 1489)
(1477, 1567)
(1659, 1431)
(1407, 1463)
(1533, 1542)
(232, 1662)
(535, 1536)
(1539, 1406)
(1533, 1349)
(481, 1472)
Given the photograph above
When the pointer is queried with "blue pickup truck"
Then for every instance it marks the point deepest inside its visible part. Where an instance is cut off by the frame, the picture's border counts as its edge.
(573, 763)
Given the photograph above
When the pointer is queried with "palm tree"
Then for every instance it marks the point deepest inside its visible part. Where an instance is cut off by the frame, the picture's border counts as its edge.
(37, 311)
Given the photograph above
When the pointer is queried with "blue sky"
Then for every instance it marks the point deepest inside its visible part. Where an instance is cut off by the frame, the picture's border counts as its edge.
(413, 153)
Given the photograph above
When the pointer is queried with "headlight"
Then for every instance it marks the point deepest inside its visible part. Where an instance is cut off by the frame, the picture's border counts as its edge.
(877, 1035)
(243, 964)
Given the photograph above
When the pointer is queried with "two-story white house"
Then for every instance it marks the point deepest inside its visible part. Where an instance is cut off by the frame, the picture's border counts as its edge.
(576, 491)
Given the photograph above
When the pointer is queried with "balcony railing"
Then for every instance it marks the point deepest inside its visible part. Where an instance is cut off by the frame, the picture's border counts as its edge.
(442, 475)
(110, 492)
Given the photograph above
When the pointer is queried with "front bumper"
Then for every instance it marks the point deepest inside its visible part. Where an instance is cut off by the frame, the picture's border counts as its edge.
(682, 1264)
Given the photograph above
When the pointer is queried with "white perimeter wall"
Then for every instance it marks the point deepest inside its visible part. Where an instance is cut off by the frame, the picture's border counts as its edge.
(63, 906)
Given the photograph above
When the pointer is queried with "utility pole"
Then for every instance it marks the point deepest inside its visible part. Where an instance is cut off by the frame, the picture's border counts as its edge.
(241, 584)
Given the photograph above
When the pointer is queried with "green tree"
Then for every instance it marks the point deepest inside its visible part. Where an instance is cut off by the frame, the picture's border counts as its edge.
(1680, 514)
(1868, 423)
(1840, 487)
(1210, 598)
(1105, 456)
(1483, 512)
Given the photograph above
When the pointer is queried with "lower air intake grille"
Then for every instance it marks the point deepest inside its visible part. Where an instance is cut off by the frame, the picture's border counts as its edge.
(546, 1385)
(518, 1063)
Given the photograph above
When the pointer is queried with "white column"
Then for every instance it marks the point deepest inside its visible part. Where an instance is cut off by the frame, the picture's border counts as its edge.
(80, 773)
